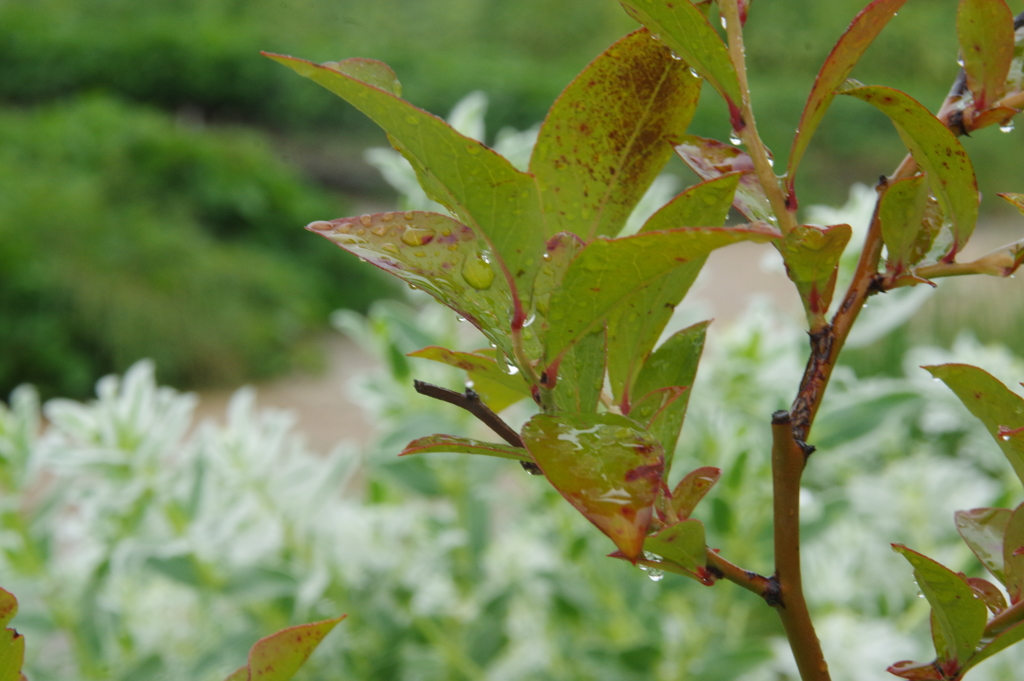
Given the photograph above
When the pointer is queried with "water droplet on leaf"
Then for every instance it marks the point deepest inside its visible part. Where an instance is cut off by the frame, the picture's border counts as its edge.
(675, 56)
(725, 22)
(366, 220)
(320, 226)
(655, 575)
(1007, 126)
(477, 272)
(734, 138)
(416, 236)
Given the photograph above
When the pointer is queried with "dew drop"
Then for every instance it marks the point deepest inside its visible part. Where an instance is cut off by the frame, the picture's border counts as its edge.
(344, 227)
(360, 231)
(420, 254)
(459, 318)
(414, 287)
(546, 256)
(693, 72)
(527, 334)
(655, 36)
(655, 575)
(362, 259)
(416, 236)
(366, 220)
(725, 22)
(379, 230)
(675, 56)
(388, 217)
(445, 231)
(920, 595)
(734, 138)
(960, 60)
(409, 215)
(1004, 438)
(320, 226)
(771, 162)
(390, 248)
(1007, 126)
(512, 369)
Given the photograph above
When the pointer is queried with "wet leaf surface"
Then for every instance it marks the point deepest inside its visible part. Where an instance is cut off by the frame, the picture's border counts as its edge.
(1015, 200)
(959, 617)
(993, 403)
(712, 159)
(607, 466)
(464, 445)
(901, 214)
(609, 134)
(844, 56)
(609, 272)
(434, 253)
(581, 375)
(682, 543)
(279, 656)
(692, 488)
(481, 187)
(988, 593)
(985, 30)
(686, 30)
(496, 386)
(812, 257)
(936, 149)
(983, 529)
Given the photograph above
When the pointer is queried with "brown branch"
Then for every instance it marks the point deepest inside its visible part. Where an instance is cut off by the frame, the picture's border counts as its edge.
(471, 402)
(765, 587)
(788, 460)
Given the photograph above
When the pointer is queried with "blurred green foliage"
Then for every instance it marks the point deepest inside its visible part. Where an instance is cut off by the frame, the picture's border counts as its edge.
(124, 234)
(204, 54)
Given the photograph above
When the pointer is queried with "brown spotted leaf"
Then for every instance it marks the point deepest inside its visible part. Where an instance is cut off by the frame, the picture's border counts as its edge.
(607, 466)
(682, 544)
(279, 656)
(812, 257)
(901, 214)
(609, 134)
(985, 29)
(496, 386)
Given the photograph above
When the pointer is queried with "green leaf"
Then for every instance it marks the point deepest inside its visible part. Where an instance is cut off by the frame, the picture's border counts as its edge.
(279, 656)
(982, 529)
(655, 411)
(702, 205)
(481, 187)
(844, 56)
(369, 71)
(1015, 200)
(985, 29)
(609, 272)
(609, 134)
(916, 671)
(988, 593)
(998, 644)
(901, 213)
(692, 488)
(712, 159)
(581, 375)
(682, 543)
(993, 403)
(937, 150)
(673, 364)
(959, 616)
(559, 252)
(812, 257)
(1013, 555)
(607, 466)
(685, 29)
(496, 386)
(464, 445)
(12, 644)
(437, 254)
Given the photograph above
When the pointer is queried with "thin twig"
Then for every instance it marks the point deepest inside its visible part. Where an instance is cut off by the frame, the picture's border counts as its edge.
(765, 587)
(471, 402)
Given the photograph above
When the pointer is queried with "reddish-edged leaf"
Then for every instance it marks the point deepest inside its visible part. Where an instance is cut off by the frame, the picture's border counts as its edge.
(985, 29)
(12, 644)
(993, 403)
(1015, 200)
(437, 254)
(559, 252)
(657, 411)
(1013, 555)
(937, 150)
(609, 134)
(685, 29)
(712, 159)
(844, 56)
(1004, 640)
(673, 364)
(607, 466)
(464, 445)
(812, 257)
(481, 187)
(982, 530)
(901, 214)
(702, 205)
(496, 386)
(278, 656)
(916, 671)
(692, 488)
(959, 617)
(682, 544)
(988, 593)
(610, 272)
